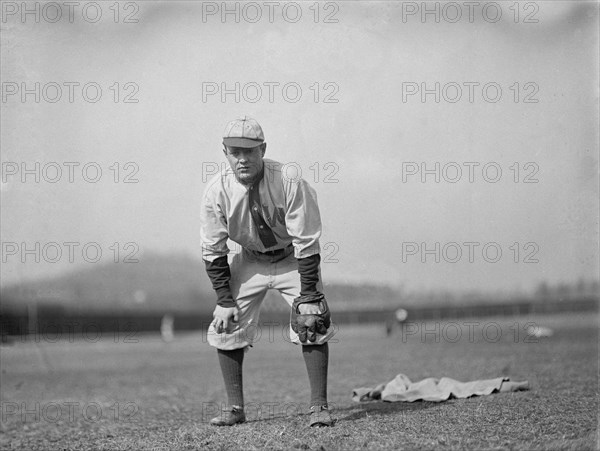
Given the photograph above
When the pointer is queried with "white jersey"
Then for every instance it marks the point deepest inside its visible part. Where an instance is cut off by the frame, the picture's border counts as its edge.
(288, 207)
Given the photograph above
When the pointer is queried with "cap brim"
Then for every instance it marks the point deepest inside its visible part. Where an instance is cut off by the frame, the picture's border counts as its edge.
(241, 142)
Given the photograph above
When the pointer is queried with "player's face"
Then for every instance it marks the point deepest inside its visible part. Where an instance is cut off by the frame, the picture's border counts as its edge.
(246, 163)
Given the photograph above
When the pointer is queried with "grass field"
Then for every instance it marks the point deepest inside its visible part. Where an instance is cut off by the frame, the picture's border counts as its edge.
(117, 394)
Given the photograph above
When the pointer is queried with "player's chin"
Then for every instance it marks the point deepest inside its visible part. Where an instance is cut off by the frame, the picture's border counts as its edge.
(245, 176)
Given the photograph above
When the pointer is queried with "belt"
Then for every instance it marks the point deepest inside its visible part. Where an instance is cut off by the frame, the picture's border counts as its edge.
(274, 255)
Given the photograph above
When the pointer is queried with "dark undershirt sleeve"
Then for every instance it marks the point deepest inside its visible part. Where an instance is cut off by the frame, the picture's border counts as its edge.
(219, 274)
(309, 274)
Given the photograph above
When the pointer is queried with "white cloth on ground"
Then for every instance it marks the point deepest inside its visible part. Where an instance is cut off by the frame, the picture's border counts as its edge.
(401, 388)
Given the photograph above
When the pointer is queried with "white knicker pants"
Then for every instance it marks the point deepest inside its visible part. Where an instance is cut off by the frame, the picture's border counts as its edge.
(251, 277)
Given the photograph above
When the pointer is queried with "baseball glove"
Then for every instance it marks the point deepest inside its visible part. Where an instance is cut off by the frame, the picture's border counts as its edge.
(310, 316)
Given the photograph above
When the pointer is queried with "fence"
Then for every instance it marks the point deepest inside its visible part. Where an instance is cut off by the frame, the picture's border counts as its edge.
(56, 320)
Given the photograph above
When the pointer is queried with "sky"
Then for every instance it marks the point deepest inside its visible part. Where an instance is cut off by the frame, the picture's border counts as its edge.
(376, 104)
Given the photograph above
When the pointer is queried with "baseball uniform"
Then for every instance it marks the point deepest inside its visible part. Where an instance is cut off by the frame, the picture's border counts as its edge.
(276, 221)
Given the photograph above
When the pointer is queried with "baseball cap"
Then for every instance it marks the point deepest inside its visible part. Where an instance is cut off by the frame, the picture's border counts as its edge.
(243, 132)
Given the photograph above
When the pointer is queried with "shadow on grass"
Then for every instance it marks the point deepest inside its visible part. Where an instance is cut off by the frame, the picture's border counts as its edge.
(379, 408)
(346, 413)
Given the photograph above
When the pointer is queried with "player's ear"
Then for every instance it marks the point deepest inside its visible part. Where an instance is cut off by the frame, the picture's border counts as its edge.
(224, 150)
(263, 148)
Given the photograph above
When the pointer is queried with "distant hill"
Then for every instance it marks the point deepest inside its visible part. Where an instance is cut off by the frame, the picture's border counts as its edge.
(174, 281)
(178, 283)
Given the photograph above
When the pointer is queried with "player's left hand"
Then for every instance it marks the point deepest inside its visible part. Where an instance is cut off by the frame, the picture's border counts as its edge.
(310, 316)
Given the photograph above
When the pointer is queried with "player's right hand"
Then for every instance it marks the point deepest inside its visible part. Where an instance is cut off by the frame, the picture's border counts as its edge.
(224, 316)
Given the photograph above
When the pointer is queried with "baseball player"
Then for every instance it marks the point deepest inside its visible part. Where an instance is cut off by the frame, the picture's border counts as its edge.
(276, 221)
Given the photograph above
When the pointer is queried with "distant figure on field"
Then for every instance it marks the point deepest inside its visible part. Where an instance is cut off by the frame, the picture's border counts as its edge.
(166, 328)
